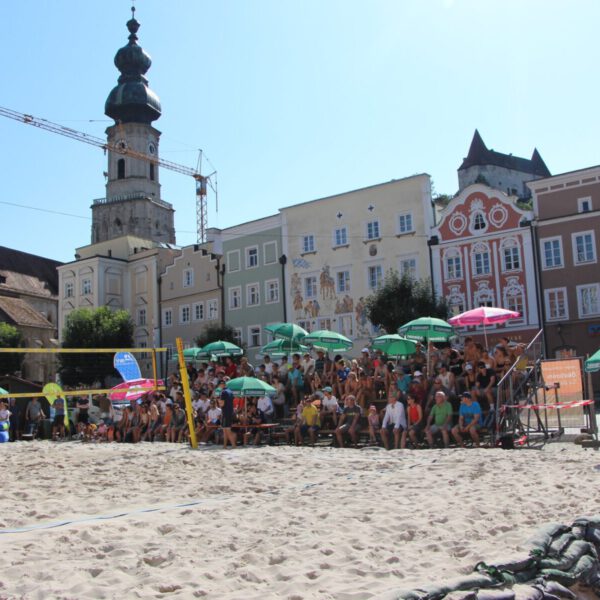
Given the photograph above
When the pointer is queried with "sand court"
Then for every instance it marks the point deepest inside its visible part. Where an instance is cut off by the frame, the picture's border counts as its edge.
(274, 522)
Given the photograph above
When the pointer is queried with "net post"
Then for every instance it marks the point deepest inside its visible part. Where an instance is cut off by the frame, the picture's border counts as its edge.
(154, 368)
(186, 393)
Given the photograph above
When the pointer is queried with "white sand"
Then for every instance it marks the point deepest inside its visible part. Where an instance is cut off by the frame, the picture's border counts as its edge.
(277, 522)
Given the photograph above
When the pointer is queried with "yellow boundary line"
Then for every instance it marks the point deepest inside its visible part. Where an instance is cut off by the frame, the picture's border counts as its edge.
(78, 350)
(74, 392)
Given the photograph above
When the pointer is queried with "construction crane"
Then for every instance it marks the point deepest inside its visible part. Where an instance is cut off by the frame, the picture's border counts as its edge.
(202, 181)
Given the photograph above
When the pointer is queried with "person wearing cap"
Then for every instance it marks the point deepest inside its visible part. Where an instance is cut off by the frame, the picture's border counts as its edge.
(309, 422)
(394, 422)
(469, 420)
(348, 423)
(330, 407)
(440, 419)
(229, 436)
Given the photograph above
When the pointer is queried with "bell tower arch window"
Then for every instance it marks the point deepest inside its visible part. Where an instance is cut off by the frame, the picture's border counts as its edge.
(121, 168)
(151, 171)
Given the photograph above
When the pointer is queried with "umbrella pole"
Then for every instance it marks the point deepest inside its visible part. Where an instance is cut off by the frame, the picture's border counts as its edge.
(485, 337)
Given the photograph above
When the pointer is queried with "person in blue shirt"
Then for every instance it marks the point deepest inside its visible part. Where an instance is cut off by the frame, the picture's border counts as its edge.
(469, 420)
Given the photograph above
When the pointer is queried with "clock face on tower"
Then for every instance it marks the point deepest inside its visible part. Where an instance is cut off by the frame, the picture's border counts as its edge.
(121, 144)
(151, 149)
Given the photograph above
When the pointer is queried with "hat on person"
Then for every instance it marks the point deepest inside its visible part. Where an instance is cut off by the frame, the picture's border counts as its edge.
(365, 350)
(418, 373)
(327, 389)
(469, 367)
(372, 407)
(466, 395)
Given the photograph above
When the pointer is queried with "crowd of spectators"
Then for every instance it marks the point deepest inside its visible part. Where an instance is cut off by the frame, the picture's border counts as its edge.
(437, 395)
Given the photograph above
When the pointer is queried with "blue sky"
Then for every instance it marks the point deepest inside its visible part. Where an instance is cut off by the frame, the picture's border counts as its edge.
(290, 100)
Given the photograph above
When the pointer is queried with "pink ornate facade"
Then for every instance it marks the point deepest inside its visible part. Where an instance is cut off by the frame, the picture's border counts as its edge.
(484, 256)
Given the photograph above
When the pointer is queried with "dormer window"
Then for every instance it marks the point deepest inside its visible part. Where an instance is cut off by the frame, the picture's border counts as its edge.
(479, 223)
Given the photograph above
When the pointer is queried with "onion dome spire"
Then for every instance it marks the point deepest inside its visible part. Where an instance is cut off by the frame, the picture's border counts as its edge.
(132, 101)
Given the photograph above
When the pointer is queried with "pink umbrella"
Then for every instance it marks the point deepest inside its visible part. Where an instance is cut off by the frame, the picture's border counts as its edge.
(484, 315)
(132, 390)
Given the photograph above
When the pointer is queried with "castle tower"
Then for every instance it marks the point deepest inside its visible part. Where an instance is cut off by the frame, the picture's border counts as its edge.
(132, 205)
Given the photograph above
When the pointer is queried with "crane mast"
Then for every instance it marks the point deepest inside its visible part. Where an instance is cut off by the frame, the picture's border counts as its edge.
(202, 181)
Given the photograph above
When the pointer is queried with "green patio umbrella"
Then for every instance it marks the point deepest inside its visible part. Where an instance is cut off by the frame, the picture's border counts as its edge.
(194, 353)
(221, 348)
(328, 340)
(394, 345)
(287, 331)
(250, 386)
(429, 329)
(279, 348)
(3, 391)
(592, 364)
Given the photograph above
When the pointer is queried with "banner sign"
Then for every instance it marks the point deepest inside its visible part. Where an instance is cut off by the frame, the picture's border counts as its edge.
(127, 366)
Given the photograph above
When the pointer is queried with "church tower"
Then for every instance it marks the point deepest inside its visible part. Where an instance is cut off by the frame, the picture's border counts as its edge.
(133, 205)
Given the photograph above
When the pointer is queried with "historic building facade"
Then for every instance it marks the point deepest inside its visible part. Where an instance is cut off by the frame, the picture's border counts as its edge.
(504, 172)
(254, 290)
(482, 255)
(191, 295)
(340, 248)
(567, 226)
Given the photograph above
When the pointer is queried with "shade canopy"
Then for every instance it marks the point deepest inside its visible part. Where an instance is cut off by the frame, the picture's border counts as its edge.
(250, 386)
(328, 340)
(394, 345)
(430, 329)
(484, 315)
(194, 353)
(221, 348)
(132, 390)
(592, 364)
(287, 331)
(278, 348)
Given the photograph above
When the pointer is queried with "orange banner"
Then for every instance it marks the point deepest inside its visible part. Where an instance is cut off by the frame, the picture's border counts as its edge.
(567, 373)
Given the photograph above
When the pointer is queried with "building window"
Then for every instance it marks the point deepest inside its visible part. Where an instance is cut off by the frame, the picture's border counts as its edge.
(584, 204)
(373, 230)
(453, 264)
(405, 223)
(184, 314)
(272, 291)
(478, 222)
(514, 301)
(121, 168)
(198, 311)
(252, 294)
(188, 278)
(254, 336)
(511, 256)
(237, 336)
(584, 247)
(69, 289)
(481, 260)
(557, 307)
(167, 317)
(213, 310)
(141, 317)
(342, 281)
(270, 253)
(588, 300)
(252, 257)
(233, 261)
(375, 277)
(408, 267)
(235, 298)
(310, 287)
(552, 257)
(151, 171)
(86, 287)
(340, 237)
(308, 244)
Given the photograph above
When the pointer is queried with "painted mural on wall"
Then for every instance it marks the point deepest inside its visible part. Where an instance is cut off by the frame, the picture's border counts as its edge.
(318, 305)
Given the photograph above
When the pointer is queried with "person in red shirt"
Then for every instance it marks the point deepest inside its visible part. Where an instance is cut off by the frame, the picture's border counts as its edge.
(230, 368)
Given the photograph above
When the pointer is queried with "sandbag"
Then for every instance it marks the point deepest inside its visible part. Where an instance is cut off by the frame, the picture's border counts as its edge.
(542, 539)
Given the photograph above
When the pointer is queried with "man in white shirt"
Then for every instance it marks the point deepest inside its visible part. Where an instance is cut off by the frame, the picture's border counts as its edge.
(268, 365)
(394, 421)
(266, 406)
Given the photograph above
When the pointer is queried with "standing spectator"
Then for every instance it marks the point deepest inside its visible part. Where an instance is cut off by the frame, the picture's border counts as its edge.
(296, 379)
(58, 425)
(229, 436)
(33, 416)
(83, 417)
(308, 367)
(394, 423)
(469, 420)
(15, 419)
(280, 406)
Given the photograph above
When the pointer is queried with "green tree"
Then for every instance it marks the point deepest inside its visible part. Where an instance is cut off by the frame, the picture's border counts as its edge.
(93, 328)
(402, 299)
(10, 337)
(213, 333)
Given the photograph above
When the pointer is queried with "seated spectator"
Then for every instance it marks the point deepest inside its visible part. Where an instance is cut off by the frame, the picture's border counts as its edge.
(255, 416)
(309, 423)
(447, 378)
(469, 420)
(296, 379)
(394, 423)
(349, 422)
(414, 414)
(154, 422)
(484, 382)
(265, 405)
(341, 375)
(374, 424)
(435, 388)
(330, 407)
(440, 420)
